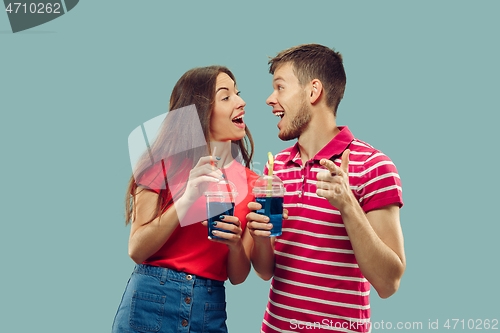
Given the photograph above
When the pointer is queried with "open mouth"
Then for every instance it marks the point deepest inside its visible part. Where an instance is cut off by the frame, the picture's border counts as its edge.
(279, 114)
(239, 119)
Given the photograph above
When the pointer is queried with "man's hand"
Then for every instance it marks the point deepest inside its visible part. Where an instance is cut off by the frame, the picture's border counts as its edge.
(258, 224)
(262, 254)
(334, 185)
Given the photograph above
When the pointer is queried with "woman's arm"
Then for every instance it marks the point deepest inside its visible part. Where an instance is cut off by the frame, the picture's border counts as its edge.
(148, 237)
(238, 260)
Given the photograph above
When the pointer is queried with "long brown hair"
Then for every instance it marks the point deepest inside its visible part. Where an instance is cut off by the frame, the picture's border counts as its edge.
(196, 87)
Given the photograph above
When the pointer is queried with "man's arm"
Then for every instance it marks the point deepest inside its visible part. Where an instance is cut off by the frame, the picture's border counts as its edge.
(262, 254)
(377, 241)
(376, 237)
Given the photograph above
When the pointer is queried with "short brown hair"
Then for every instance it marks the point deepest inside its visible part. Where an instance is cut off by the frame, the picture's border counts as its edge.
(314, 61)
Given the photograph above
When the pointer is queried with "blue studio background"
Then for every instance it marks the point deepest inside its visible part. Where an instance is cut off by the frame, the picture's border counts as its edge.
(422, 77)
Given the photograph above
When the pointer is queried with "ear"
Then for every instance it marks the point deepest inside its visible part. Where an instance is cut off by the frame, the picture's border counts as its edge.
(316, 90)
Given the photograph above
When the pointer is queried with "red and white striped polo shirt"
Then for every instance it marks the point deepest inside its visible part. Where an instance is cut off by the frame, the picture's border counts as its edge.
(317, 284)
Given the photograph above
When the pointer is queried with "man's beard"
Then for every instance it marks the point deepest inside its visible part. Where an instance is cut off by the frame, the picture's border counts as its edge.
(298, 124)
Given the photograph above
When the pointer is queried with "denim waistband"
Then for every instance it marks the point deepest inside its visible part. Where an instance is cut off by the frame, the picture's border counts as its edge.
(164, 273)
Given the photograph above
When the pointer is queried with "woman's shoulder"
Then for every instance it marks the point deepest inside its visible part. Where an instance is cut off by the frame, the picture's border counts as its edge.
(158, 175)
(151, 178)
(249, 174)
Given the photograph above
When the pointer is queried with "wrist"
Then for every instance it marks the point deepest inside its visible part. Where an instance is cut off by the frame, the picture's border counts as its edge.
(235, 246)
(350, 205)
(184, 200)
(262, 242)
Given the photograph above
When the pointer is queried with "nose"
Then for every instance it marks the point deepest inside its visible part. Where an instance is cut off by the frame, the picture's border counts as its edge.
(241, 103)
(271, 100)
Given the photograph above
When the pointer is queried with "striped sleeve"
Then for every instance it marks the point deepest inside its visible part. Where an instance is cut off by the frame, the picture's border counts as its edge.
(379, 183)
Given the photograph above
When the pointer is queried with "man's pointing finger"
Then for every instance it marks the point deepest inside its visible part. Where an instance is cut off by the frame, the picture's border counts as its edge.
(329, 165)
(344, 164)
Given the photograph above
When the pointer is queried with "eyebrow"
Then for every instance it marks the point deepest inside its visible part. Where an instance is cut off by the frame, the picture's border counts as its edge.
(221, 89)
(278, 78)
(224, 88)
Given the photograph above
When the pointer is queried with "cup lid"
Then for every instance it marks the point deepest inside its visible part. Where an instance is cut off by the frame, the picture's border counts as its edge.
(221, 188)
(262, 183)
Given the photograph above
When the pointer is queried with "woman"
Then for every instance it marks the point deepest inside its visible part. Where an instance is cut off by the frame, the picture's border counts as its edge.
(178, 282)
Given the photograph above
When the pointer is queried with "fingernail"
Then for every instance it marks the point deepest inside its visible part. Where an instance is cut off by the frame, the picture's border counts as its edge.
(209, 237)
(214, 232)
(222, 176)
(214, 223)
(221, 217)
(270, 225)
(217, 158)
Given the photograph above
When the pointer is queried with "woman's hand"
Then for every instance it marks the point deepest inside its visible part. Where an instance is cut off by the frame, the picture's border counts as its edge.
(238, 259)
(228, 223)
(203, 173)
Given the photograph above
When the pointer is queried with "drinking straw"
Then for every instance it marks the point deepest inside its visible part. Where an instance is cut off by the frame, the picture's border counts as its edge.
(212, 159)
(228, 188)
(270, 174)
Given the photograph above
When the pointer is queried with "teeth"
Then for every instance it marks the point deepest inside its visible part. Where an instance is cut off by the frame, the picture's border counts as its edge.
(238, 118)
(279, 114)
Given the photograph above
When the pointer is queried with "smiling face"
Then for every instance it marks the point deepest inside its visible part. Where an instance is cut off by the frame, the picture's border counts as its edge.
(226, 121)
(289, 103)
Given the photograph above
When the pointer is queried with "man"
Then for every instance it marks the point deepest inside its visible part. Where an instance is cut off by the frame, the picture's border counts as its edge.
(343, 197)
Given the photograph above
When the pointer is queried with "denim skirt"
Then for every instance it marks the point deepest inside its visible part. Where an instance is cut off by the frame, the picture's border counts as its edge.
(162, 300)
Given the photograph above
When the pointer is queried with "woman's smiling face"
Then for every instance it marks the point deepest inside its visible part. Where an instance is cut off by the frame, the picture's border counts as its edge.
(226, 121)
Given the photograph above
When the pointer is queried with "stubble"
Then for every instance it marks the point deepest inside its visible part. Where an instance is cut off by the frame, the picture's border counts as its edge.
(298, 124)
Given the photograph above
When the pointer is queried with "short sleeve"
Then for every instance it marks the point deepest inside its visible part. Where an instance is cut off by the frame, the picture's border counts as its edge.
(379, 183)
(251, 178)
(154, 178)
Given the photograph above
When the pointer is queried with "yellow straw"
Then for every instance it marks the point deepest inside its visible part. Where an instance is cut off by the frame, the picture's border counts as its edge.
(270, 174)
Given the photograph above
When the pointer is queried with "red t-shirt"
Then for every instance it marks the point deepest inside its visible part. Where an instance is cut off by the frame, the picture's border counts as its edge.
(188, 249)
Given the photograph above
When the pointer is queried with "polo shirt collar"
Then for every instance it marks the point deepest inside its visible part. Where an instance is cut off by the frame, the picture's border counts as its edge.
(334, 148)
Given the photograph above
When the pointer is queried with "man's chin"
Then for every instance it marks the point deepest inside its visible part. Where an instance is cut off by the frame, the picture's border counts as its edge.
(287, 135)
